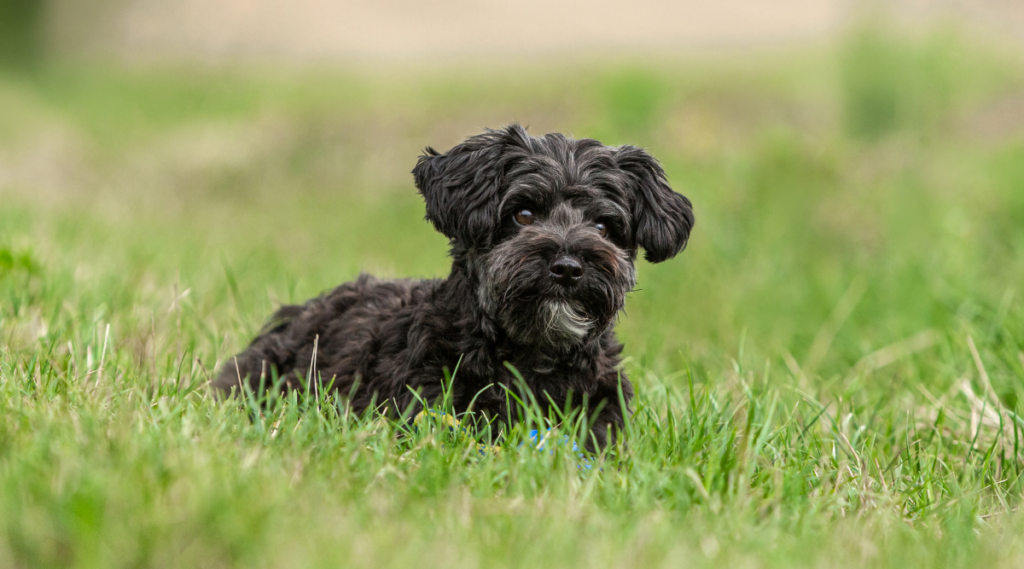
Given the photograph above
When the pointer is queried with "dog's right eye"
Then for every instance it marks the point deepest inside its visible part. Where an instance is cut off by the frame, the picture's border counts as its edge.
(524, 217)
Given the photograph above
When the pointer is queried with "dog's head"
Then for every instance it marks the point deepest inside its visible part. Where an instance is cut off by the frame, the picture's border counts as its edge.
(550, 226)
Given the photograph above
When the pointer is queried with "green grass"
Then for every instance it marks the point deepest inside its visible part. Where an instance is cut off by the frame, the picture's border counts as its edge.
(830, 375)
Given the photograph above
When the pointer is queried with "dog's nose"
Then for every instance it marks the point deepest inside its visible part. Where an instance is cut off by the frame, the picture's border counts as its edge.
(566, 270)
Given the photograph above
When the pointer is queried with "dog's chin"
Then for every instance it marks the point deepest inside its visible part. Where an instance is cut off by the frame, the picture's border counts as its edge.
(548, 324)
(563, 324)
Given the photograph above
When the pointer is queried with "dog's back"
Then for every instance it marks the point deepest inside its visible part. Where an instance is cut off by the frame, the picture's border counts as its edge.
(339, 331)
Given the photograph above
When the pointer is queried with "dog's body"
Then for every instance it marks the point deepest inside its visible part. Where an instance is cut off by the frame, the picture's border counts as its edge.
(543, 233)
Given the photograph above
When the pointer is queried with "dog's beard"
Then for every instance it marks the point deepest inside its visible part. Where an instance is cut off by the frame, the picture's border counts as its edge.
(546, 323)
(564, 323)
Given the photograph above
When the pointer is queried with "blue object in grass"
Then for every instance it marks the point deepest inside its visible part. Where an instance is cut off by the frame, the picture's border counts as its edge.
(452, 424)
(536, 438)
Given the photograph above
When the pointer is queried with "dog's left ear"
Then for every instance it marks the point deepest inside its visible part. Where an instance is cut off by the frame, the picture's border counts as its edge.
(662, 218)
(463, 187)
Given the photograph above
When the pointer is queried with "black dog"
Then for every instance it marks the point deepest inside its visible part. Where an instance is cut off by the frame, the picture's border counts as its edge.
(543, 232)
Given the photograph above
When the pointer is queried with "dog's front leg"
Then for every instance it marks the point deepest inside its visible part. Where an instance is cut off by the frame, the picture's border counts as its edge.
(607, 410)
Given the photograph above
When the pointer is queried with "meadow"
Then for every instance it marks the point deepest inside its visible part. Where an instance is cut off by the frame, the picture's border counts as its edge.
(829, 376)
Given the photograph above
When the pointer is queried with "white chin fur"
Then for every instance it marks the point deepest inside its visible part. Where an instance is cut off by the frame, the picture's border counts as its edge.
(563, 320)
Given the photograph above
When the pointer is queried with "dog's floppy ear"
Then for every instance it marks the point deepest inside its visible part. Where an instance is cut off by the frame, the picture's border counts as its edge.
(661, 217)
(463, 186)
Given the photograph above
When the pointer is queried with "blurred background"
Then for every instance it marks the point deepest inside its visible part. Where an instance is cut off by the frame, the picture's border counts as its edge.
(857, 168)
(145, 31)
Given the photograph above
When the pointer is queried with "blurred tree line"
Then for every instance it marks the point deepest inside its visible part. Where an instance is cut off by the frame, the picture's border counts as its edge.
(22, 24)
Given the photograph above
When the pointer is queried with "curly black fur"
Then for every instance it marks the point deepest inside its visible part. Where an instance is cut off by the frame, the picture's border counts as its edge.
(378, 341)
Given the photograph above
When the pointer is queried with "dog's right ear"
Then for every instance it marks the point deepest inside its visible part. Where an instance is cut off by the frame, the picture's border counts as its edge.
(463, 187)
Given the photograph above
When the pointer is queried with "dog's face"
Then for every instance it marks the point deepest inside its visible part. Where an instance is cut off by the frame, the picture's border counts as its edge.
(550, 227)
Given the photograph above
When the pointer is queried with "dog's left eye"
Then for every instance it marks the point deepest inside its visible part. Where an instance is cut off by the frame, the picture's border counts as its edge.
(524, 217)
(601, 228)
